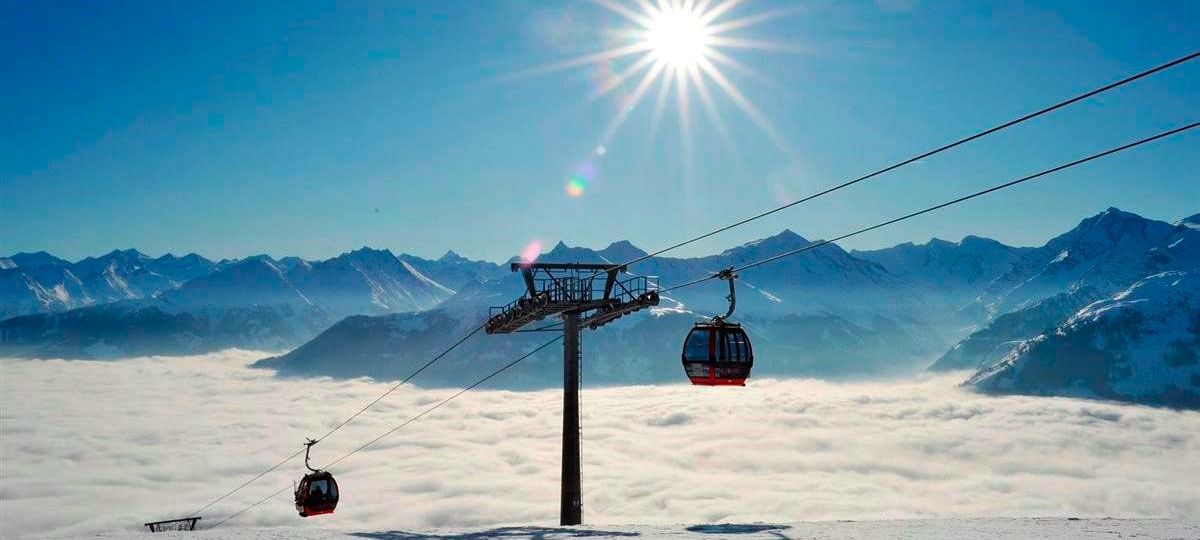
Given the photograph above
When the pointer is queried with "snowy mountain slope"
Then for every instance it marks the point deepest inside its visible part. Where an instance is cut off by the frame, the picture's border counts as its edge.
(1140, 345)
(41, 283)
(949, 274)
(1108, 251)
(182, 269)
(246, 304)
(250, 282)
(33, 260)
(130, 274)
(251, 302)
(453, 270)
(993, 342)
(367, 281)
(824, 280)
(971, 262)
(39, 289)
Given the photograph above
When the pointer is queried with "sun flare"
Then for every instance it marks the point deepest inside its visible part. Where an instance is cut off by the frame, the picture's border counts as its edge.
(676, 50)
(677, 36)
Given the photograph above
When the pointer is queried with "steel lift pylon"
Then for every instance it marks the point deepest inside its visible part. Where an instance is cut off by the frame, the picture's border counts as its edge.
(583, 296)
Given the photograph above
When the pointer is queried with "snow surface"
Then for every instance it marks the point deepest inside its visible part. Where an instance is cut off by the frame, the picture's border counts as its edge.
(932, 529)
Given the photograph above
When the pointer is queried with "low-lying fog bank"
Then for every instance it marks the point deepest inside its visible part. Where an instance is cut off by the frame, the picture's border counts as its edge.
(96, 446)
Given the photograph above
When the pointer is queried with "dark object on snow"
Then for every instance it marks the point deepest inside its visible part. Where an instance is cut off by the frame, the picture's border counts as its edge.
(184, 524)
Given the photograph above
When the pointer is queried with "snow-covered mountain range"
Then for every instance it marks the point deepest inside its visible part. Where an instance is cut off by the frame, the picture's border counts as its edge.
(42, 283)
(256, 302)
(950, 275)
(834, 314)
(1108, 251)
(1142, 345)
(1097, 262)
(827, 313)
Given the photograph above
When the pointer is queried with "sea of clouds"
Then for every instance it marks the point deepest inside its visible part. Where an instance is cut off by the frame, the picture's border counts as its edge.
(101, 446)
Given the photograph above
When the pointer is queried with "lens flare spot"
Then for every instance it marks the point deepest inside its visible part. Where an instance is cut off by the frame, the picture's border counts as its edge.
(576, 185)
(531, 251)
(587, 171)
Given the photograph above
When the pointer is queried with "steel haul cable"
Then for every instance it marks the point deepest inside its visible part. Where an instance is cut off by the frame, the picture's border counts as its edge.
(402, 425)
(998, 187)
(938, 150)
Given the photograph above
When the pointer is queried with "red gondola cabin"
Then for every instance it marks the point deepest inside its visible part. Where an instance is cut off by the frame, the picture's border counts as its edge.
(717, 353)
(316, 494)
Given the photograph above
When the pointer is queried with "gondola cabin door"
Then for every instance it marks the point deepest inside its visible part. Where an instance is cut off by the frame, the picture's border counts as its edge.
(717, 354)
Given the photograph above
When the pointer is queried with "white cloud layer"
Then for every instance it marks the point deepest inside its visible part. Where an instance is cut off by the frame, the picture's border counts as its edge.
(96, 446)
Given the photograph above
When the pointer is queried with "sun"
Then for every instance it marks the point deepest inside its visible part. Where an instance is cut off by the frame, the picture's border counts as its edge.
(677, 37)
(679, 49)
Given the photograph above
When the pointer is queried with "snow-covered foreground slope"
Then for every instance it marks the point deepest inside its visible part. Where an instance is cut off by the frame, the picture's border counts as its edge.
(925, 529)
(88, 447)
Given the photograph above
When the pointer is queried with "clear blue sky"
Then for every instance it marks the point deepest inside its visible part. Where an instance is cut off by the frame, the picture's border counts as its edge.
(304, 128)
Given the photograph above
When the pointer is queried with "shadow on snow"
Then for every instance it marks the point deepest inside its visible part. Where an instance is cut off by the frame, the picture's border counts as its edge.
(555, 533)
(734, 528)
(530, 533)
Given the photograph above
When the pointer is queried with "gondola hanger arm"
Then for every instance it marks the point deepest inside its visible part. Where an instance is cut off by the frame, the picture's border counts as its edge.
(728, 275)
(307, 448)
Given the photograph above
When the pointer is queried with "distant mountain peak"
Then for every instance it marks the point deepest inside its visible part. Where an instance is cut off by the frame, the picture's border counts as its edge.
(621, 244)
(263, 257)
(1192, 221)
(365, 250)
(788, 234)
(1108, 227)
(131, 253)
(451, 256)
(972, 239)
(35, 259)
(621, 251)
(257, 262)
(1116, 215)
(785, 238)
